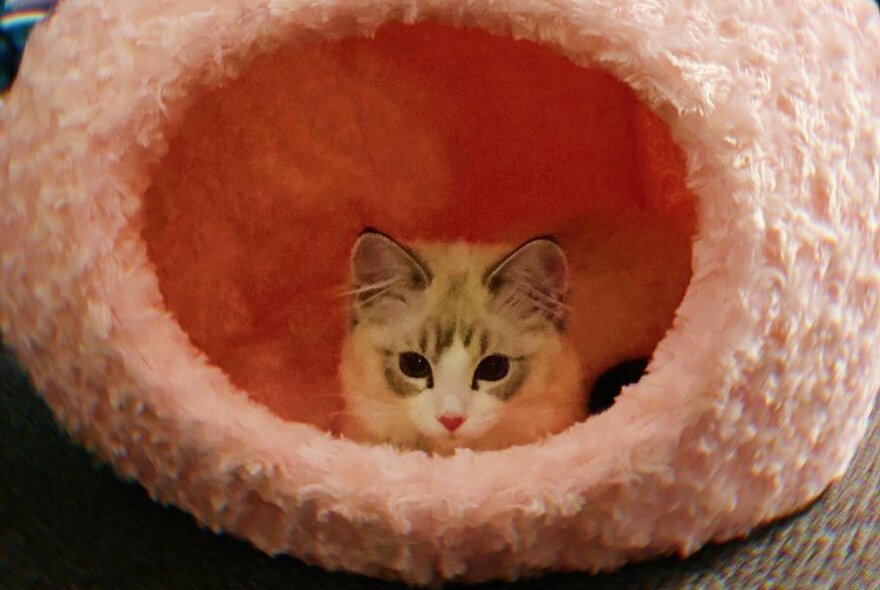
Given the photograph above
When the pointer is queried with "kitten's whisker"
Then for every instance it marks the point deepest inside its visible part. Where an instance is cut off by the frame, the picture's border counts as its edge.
(542, 306)
(371, 287)
(371, 415)
(397, 296)
(374, 296)
(538, 294)
(545, 305)
(524, 281)
(541, 405)
(373, 401)
(519, 297)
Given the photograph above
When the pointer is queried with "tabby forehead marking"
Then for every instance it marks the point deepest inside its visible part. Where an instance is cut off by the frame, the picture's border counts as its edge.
(445, 336)
(468, 336)
(484, 342)
(440, 333)
(457, 285)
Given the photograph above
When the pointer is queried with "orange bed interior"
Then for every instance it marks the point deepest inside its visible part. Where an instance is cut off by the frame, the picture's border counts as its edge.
(427, 133)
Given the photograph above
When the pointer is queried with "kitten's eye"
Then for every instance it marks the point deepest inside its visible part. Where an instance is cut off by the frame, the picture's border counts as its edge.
(414, 365)
(492, 368)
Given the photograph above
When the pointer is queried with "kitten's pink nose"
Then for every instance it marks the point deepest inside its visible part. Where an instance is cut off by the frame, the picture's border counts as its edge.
(451, 422)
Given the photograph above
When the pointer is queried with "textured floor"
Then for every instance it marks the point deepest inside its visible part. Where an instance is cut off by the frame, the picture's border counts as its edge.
(67, 522)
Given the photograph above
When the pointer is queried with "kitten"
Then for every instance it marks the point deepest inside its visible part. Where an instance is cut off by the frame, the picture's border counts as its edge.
(456, 345)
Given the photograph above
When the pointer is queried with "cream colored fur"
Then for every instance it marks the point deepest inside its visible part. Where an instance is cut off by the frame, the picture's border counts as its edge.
(550, 400)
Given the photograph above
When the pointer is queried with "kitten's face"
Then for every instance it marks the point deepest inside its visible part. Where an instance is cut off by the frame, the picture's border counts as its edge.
(445, 339)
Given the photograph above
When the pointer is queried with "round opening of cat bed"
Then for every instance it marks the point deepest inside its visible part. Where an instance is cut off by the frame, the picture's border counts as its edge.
(428, 133)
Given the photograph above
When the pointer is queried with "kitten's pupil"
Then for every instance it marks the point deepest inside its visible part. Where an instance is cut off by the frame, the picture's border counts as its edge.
(492, 368)
(414, 365)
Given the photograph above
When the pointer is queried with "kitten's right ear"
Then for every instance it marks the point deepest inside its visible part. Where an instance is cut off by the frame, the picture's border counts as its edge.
(531, 282)
(383, 271)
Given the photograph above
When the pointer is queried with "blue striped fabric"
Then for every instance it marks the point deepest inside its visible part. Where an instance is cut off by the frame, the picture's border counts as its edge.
(17, 18)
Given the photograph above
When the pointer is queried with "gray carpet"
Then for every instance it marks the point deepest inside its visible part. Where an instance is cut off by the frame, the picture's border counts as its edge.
(67, 522)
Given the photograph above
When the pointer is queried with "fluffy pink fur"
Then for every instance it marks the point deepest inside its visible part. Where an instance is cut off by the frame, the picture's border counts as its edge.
(755, 401)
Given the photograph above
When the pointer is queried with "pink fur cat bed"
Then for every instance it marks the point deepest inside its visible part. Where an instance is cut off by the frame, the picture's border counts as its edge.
(182, 181)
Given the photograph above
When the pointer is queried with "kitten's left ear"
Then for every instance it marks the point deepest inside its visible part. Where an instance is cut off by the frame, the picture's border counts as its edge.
(531, 282)
(384, 275)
